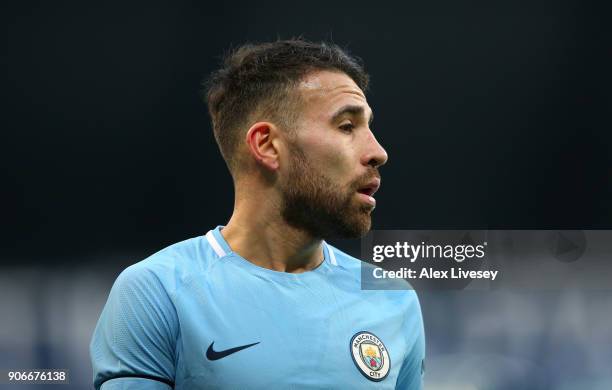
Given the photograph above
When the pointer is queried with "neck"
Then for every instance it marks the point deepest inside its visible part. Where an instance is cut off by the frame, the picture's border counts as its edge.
(258, 233)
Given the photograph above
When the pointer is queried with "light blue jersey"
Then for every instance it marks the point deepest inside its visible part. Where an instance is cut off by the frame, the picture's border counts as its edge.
(198, 316)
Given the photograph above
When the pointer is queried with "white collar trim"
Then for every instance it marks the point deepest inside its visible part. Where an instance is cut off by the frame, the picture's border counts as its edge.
(215, 244)
(332, 256)
(212, 240)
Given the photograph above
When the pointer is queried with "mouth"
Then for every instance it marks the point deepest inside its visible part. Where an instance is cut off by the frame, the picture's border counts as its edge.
(368, 190)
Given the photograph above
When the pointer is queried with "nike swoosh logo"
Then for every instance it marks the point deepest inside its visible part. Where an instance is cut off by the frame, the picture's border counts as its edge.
(211, 354)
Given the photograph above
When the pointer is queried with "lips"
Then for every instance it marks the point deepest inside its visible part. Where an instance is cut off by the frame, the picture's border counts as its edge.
(370, 187)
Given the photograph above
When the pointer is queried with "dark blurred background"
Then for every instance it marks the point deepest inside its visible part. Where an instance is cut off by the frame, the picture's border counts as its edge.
(494, 114)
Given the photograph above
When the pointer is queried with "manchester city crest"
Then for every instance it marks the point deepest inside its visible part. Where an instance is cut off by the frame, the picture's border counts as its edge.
(370, 356)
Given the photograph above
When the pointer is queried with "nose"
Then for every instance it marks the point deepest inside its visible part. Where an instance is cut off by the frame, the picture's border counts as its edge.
(375, 155)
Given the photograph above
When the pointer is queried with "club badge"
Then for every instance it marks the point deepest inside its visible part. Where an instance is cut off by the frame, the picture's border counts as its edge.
(370, 356)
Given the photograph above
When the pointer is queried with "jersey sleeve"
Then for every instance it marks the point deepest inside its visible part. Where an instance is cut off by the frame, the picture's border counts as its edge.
(413, 367)
(133, 344)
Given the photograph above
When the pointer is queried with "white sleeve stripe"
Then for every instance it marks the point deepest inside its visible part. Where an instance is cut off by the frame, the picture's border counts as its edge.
(332, 256)
(214, 244)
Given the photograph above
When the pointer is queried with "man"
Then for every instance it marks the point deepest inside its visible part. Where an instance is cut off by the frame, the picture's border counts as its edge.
(264, 302)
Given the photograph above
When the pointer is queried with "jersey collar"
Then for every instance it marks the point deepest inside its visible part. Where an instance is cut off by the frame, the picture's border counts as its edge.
(222, 248)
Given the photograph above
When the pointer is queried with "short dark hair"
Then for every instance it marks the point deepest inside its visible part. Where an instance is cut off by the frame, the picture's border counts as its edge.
(261, 78)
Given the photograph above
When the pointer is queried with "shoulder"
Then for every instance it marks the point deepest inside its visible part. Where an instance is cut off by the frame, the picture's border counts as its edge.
(391, 293)
(363, 271)
(167, 268)
(395, 297)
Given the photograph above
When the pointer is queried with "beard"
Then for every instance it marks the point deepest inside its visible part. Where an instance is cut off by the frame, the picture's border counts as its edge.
(312, 202)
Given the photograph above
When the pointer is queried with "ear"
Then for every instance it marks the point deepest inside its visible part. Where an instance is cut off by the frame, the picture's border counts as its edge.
(260, 139)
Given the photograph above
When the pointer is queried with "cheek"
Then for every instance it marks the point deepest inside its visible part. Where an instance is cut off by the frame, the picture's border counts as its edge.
(336, 164)
(331, 154)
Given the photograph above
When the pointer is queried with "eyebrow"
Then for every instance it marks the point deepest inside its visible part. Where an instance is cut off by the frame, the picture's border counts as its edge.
(353, 110)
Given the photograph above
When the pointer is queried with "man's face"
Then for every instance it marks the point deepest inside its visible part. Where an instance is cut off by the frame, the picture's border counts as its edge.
(330, 168)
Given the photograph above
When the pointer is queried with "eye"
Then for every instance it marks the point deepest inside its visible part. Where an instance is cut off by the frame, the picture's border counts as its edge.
(347, 127)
